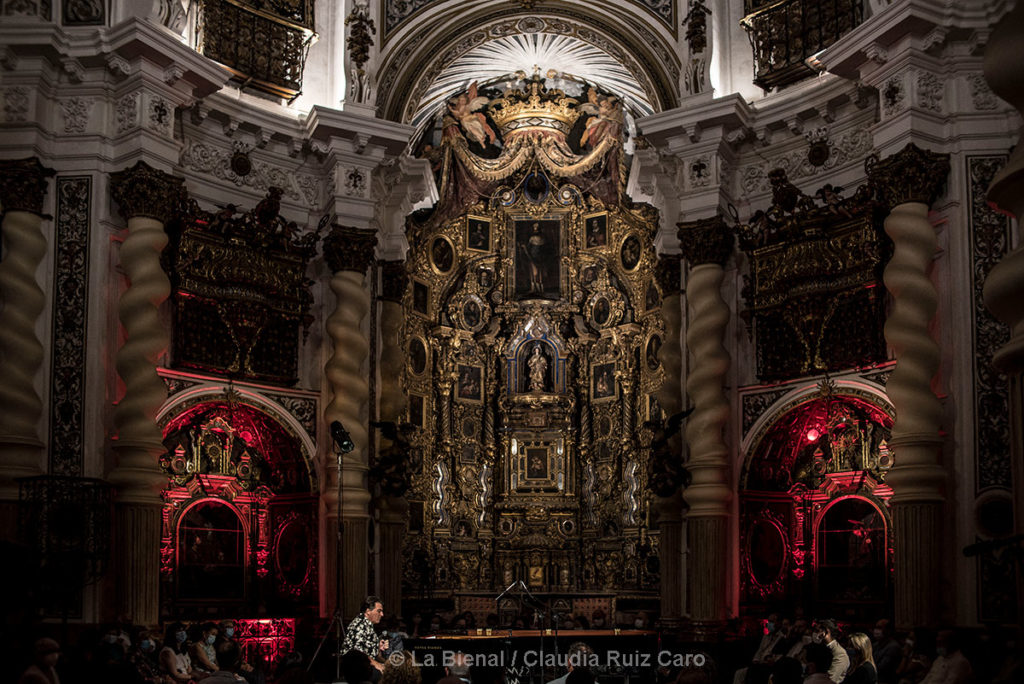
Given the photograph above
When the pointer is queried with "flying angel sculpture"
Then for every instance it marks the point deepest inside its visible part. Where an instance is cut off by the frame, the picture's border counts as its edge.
(466, 110)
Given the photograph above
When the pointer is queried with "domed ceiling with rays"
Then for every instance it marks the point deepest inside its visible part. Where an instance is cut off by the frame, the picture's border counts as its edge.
(566, 61)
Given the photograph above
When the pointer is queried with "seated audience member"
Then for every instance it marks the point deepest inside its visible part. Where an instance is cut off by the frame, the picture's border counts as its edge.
(356, 667)
(786, 670)
(229, 657)
(43, 670)
(769, 640)
(819, 662)
(916, 657)
(598, 619)
(457, 672)
(950, 666)
(799, 637)
(401, 670)
(825, 632)
(581, 675)
(143, 657)
(204, 655)
(886, 651)
(862, 664)
(579, 655)
(174, 658)
(1010, 669)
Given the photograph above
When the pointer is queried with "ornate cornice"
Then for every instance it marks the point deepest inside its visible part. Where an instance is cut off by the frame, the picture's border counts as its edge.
(910, 175)
(393, 280)
(23, 185)
(667, 273)
(706, 241)
(145, 191)
(349, 249)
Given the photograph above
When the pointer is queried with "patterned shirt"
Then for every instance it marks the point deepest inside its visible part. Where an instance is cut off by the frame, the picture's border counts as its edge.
(361, 636)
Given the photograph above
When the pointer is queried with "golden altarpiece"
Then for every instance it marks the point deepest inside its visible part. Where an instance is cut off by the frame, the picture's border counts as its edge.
(533, 324)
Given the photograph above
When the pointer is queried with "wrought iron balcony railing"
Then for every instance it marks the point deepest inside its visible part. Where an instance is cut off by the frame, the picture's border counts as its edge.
(787, 35)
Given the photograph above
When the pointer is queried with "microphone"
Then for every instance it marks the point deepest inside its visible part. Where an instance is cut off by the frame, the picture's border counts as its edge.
(342, 439)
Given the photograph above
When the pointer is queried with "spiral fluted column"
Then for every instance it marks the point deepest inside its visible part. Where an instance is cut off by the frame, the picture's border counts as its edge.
(348, 252)
(1004, 287)
(146, 199)
(706, 246)
(908, 183)
(22, 189)
(670, 508)
(393, 510)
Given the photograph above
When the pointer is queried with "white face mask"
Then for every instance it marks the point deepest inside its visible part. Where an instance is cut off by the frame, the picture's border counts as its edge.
(638, 623)
(818, 638)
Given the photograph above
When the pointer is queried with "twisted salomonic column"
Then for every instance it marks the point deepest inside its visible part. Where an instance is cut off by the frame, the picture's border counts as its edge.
(348, 252)
(670, 508)
(146, 199)
(706, 245)
(907, 183)
(1004, 287)
(22, 187)
(393, 510)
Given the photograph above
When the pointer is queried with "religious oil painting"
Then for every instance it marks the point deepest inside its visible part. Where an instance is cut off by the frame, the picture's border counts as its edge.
(472, 313)
(417, 355)
(537, 463)
(631, 252)
(653, 347)
(470, 385)
(420, 298)
(595, 232)
(603, 382)
(416, 410)
(442, 254)
(538, 259)
(478, 234)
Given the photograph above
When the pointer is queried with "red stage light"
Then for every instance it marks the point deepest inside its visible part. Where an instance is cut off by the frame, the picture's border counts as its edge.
(813, 435)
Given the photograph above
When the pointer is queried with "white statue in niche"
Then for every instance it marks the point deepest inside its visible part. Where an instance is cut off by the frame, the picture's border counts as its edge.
(538, 366)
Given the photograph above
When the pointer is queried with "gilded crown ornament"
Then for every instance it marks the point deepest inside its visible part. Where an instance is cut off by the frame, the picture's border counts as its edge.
(534, 108)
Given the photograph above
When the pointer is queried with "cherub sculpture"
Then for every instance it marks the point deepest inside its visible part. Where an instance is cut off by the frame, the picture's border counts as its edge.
(606, 119)
(465, 109)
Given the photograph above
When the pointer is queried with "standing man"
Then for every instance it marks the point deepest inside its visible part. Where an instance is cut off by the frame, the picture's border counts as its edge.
(362, 636)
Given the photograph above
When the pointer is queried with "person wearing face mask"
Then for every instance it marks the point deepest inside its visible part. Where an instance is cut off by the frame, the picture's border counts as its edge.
(641, 621)
(886, 651)
(770, 638)
(143, 658)
(950, 666)
(175, 661)
(598, 620)
(862, 664)
(228, 632)
(42, 670)
(825, 632)
(204, 655)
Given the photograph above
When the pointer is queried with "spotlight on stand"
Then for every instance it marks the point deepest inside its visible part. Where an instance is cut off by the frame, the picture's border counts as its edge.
(342, 439)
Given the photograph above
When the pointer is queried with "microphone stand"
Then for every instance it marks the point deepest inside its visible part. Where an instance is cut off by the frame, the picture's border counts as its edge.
(343, 445)
(540, 610)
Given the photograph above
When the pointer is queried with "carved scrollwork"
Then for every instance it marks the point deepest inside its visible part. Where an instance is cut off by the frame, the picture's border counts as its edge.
(145, 191)
(706, 241)
(910, 175)
(23, 185)
(349, 249)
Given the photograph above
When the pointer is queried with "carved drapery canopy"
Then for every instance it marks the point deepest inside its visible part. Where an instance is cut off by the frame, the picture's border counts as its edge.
(814, 294)
(241, 296)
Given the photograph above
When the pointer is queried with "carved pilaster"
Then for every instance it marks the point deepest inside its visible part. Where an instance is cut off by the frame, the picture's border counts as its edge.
(143, 191)
(349, 249)
(910, 175)
(668, 273)
(706, 241)
(707, 581)
(23, 185)
(393, 280)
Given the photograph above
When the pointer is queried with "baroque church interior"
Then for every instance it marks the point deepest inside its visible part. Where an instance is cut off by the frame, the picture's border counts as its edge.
(672, 313)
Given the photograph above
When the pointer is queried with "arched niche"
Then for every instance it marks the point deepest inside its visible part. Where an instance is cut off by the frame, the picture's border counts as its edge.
(226, 455)
(816, 448)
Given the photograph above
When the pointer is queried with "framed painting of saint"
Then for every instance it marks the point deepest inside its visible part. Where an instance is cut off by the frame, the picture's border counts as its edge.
(595, 231)
(421, 298)
(416, 410)
(603, 387)
(537, 463)
(538, 259)
(478, 234)
(470, 383)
